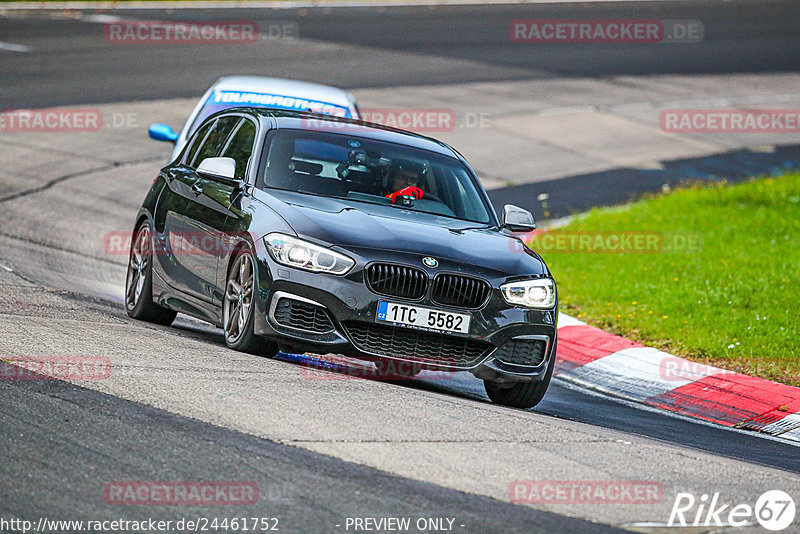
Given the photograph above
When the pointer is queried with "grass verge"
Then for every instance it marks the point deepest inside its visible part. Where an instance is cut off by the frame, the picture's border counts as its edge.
(710, 273)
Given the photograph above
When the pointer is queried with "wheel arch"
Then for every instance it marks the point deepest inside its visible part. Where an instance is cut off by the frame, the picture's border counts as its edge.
(243, 244)
(142, 217)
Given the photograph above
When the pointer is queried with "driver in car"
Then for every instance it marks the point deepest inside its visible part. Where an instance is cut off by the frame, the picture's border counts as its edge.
(405, 176)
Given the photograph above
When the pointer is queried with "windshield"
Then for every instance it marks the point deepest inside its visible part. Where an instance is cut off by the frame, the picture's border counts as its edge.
(366, 170)
(220, 100)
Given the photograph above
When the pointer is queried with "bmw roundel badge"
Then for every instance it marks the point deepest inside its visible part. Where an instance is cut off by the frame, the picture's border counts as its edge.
(430, 262)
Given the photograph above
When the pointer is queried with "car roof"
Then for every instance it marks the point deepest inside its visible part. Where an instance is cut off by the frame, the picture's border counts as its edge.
(294, 88)
(285, 119)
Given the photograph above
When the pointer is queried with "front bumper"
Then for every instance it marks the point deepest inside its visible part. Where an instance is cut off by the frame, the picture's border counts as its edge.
(504, 343)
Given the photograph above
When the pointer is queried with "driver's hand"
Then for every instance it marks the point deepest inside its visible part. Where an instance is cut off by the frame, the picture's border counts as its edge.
(410, 191)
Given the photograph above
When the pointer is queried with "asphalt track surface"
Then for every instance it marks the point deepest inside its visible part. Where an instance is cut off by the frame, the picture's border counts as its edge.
(307, 492)
(387, 47)
(70, 437)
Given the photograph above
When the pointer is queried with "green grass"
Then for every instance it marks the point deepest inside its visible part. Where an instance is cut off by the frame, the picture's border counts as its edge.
(733, 301)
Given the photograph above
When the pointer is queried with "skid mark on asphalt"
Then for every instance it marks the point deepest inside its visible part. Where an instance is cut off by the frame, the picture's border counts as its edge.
(50, 246)
(93, 170)
(54, 150)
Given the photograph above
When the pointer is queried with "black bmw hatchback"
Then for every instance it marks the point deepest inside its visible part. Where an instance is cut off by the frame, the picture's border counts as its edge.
(303, 233)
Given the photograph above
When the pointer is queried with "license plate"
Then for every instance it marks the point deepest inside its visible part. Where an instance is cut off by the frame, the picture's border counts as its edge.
(422, 318)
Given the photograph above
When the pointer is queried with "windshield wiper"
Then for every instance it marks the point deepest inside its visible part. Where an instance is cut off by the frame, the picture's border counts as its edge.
(486, 226)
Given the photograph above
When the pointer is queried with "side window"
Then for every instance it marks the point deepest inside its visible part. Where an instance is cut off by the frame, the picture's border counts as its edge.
(240, 147)
(196, 141)
(213, 143)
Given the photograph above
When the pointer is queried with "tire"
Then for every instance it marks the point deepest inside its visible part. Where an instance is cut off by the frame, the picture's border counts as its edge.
(238, 309)
(521, 394)
(139, 281)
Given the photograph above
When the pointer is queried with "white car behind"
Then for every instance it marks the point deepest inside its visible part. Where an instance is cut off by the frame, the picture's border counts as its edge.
(259, 91)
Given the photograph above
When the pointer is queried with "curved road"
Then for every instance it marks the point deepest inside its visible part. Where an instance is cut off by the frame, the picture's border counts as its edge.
(181, 407)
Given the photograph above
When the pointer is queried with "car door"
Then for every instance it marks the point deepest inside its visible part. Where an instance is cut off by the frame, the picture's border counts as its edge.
(208, 211)
(170, 213)
(241, 204)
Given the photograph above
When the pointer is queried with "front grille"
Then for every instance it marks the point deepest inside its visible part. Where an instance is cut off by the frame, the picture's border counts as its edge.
(302, 316)
(527, 353)
(397, 280)
(459, 291)
(416, 345)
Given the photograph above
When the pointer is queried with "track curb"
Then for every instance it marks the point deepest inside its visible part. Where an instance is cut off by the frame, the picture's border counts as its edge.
(592, 358)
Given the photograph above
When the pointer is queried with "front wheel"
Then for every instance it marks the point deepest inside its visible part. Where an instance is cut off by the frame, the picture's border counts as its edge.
(521, 394)
(139, 281)
(238, 308)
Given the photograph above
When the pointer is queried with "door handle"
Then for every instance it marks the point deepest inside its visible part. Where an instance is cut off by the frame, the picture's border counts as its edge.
(197, 188)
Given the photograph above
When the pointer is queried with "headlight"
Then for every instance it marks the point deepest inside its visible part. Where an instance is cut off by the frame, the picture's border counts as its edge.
(295, 252)
(539, 293)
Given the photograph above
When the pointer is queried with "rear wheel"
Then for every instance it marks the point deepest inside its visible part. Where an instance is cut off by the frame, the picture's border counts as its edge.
(238, 309)
(139, 281)
(521, 394)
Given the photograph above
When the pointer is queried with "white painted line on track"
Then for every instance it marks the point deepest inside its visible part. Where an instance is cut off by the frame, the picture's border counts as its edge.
(11, 47)
(100, 18)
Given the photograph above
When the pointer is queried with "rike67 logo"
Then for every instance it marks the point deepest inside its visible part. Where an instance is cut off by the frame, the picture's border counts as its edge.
(774, 510)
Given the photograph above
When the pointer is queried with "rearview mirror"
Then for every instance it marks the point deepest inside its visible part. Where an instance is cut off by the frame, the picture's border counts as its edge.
(517, 219)
(223, 169)
(162, 132)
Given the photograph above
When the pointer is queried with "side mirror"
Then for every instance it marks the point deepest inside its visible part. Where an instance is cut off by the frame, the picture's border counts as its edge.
(162, 132)
(222, 169)
(517, 219)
